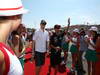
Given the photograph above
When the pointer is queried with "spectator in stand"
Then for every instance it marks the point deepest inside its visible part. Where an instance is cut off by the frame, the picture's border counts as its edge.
(17, 42)
(83, 47)
(65, 45)
(91, 55)
(74, 49)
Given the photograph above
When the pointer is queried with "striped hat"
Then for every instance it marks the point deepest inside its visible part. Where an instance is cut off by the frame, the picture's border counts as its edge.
(11, 7)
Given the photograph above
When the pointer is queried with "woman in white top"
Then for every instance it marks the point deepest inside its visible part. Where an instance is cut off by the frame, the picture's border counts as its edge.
(74, 47)
(91, 54)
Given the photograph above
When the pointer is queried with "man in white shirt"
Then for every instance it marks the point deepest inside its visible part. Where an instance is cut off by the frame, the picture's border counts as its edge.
(40, 45)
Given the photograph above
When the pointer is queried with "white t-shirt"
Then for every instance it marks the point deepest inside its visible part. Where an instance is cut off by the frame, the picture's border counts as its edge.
(90, 47)
(40, 39)
(91, 41)
(74, 39)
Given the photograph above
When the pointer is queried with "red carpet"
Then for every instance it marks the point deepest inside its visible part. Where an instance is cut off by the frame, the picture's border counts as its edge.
(29, 68)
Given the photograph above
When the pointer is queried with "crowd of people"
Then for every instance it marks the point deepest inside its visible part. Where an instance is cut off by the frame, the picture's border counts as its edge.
(56, 43)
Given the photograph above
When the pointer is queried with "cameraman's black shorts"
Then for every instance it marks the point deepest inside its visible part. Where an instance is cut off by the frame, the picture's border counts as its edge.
(55, 58)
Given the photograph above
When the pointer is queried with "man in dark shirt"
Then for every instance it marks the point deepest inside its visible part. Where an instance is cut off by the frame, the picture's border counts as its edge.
(55, 44)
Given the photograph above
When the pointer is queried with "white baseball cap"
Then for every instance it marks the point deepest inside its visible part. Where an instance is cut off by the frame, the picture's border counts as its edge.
(11, 7)
(76, 30)
(93, 28)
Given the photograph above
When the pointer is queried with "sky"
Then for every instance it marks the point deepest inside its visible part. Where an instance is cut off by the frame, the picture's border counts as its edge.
(58, 12)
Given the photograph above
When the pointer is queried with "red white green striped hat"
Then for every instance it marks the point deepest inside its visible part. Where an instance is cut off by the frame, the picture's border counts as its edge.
(11, 7)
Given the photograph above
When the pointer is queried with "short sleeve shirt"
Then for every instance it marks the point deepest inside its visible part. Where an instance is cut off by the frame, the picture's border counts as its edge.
(40, 39)
(56, 40)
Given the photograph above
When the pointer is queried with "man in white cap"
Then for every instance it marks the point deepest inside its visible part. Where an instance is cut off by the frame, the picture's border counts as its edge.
(10, 18)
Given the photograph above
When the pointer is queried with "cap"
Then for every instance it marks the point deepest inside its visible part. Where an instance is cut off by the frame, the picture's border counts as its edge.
(43, 22)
